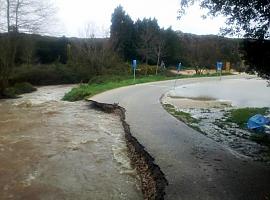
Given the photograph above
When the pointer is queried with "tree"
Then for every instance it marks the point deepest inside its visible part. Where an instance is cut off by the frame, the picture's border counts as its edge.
(159, 45)
(123, 34)
(28, 16)
(8, 48)
(251, 17)
(91, 56)
(19, 16)
(148, 37)
(171, 47)
(257, 55)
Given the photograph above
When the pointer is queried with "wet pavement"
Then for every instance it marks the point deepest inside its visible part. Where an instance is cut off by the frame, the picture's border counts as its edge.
(50, 149)
(195, 166)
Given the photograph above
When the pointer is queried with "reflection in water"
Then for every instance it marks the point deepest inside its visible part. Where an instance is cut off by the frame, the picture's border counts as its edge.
(241, 92)
(50, 149)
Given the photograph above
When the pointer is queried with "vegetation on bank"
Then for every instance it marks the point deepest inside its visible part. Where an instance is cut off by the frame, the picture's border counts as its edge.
(101, 84)
(17, 89)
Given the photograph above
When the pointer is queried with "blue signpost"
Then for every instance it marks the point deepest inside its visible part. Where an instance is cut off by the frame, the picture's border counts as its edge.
(219, 68)
(134, 66)
(178, 68)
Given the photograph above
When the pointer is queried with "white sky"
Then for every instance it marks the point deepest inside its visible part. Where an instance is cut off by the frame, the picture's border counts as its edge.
(74, 15)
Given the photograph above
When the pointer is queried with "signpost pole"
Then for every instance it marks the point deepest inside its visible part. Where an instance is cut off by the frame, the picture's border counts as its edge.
(134, 74)
(178, 70)
(219, 69)
(134, 66)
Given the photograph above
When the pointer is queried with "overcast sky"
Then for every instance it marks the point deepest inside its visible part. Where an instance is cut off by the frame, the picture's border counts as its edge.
(74, 15)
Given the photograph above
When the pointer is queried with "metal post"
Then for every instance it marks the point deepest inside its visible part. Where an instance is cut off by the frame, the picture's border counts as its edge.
(134, 74)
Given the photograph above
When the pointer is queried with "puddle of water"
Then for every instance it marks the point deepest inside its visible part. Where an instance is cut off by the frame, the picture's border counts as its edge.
(241, 92)
(50, 149)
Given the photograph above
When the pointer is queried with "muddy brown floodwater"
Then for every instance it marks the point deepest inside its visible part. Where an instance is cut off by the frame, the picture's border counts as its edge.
(51, 149)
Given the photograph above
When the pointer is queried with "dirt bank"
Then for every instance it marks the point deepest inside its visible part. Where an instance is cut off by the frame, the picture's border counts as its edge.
(153, 181)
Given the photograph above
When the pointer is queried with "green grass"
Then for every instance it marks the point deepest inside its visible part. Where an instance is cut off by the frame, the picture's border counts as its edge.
(103, 83)
(261, 138)
(88, 90)
(240, 116)
(182, 116)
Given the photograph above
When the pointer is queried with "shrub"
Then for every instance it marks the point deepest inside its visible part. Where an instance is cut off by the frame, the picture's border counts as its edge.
(146, 70)
(45, 75)
(17, 89)
(21, 88)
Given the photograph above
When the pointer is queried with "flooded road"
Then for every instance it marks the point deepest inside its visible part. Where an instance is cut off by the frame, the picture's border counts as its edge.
(50, 149)
(248, 92)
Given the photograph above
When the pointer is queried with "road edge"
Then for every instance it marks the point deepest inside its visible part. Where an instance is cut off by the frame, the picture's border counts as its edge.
(153, 180)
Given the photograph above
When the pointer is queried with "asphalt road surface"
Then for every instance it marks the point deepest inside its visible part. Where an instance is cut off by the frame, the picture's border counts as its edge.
(195, 166)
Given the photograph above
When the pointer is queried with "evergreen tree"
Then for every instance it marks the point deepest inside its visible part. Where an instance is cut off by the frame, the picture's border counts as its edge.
(123, 34)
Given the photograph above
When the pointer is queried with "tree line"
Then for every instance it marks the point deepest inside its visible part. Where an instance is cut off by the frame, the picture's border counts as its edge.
(54, 60)
(145, 41)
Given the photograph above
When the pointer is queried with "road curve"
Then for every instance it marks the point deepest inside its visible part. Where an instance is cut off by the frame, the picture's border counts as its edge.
(195, 166)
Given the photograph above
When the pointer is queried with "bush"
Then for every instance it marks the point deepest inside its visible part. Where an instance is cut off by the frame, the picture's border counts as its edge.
(62, 74)
(9, 93)
(45, 75)
(146, 70)
(17, 89)
(21, 88)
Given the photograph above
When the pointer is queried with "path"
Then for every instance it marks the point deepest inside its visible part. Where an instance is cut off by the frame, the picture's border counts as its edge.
(195, 166)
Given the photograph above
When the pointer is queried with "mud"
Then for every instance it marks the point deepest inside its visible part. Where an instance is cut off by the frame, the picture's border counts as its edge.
(153, 181)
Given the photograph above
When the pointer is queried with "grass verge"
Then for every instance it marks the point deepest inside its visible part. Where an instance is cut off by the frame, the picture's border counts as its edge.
(103, 84)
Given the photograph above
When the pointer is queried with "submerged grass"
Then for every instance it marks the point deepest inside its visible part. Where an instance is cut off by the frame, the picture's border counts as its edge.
(107, 83)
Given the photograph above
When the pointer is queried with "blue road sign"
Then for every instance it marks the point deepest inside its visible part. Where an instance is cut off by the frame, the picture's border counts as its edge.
(134, 64)
(179, 66)
(219, 66)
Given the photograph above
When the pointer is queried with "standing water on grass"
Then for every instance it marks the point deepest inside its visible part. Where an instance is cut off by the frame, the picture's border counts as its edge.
(51, 149)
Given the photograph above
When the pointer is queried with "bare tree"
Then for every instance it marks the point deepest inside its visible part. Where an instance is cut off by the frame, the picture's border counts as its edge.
(28, 16)
(158, 49)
